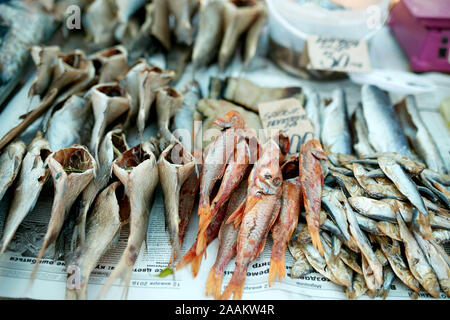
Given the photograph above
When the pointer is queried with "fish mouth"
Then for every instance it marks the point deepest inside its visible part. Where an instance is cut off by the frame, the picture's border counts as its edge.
(132, 158)
(244, 3)
(111, 52)
(74, 60)
(112, 90)
(124, 205)
(73, 160)
(290, 168)
(118, 142)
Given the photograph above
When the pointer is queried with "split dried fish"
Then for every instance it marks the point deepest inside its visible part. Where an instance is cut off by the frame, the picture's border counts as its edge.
(68, 125)
(109, 101)
(110, 212)
(32, 177)
(175, 166)
(71, 169)
(137, 170)
(10, 162)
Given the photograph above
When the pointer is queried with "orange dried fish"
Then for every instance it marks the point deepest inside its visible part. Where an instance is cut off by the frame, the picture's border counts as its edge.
(311, 179)
(262, 207)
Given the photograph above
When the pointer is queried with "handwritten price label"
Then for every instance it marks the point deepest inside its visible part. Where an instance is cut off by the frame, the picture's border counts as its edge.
(344, 55)
(289, 116)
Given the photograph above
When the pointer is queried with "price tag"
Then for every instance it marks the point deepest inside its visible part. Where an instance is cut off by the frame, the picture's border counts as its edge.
(333, 54)
(289, 116)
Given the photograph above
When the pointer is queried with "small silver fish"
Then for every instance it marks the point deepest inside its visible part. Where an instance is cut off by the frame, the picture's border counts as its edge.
(420, 218)
(417, 261)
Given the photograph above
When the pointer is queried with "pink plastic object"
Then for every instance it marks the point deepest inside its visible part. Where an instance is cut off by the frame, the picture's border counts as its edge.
(422, 27)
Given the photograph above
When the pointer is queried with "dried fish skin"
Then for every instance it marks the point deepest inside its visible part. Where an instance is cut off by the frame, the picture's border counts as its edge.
(137, 170)
(110, 212)
(32, 177)
(109, 101)
(110, 63)
(71, 169)
(10, 162)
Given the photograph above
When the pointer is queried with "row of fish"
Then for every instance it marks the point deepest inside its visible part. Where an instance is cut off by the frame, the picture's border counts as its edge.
(375, 126)
(187, 30)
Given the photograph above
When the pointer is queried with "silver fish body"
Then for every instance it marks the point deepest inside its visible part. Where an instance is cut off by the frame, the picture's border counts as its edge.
(68, 125)
(418, 134)
(385, 133)
(362, 145)
(420, 218)
(335, 133)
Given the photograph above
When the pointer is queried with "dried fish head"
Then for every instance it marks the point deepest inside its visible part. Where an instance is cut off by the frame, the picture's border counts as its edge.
(110, 64)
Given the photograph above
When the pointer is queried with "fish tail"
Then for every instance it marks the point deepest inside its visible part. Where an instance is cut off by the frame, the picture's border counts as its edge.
(235, 287)
(201, 243)
(277, 268)
(196, 261)
(123, 270)
(188, 257)
(315, 239)
(38, 260)
(421, 224)
(214, 283)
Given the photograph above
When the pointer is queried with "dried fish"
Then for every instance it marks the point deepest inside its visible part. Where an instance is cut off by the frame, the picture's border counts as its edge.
(183, 10)
(175, 166)
(10, 162)
(110, 212)
(109, 101)
(71, 169)
(335, 133)
(111, 63)
(32, 177)
(385, 133)
(137, 170)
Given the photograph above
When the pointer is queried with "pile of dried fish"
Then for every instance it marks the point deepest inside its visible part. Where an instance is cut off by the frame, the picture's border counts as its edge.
(186, 30)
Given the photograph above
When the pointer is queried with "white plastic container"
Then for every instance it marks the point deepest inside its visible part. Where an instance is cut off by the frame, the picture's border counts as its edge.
(291, 23)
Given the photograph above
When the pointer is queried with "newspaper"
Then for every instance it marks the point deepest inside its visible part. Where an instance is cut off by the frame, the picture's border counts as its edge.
(50, 283)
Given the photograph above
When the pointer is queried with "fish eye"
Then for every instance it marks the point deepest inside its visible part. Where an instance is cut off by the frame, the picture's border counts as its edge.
(277, 182)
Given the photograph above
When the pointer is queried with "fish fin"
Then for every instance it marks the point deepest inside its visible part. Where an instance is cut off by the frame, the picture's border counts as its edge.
(196, 261)
(122, 270)
(235, 287)
(214, 283)
(237, 215)
(277, 268)
(317, 243)
(188, 257)
(201, 243)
